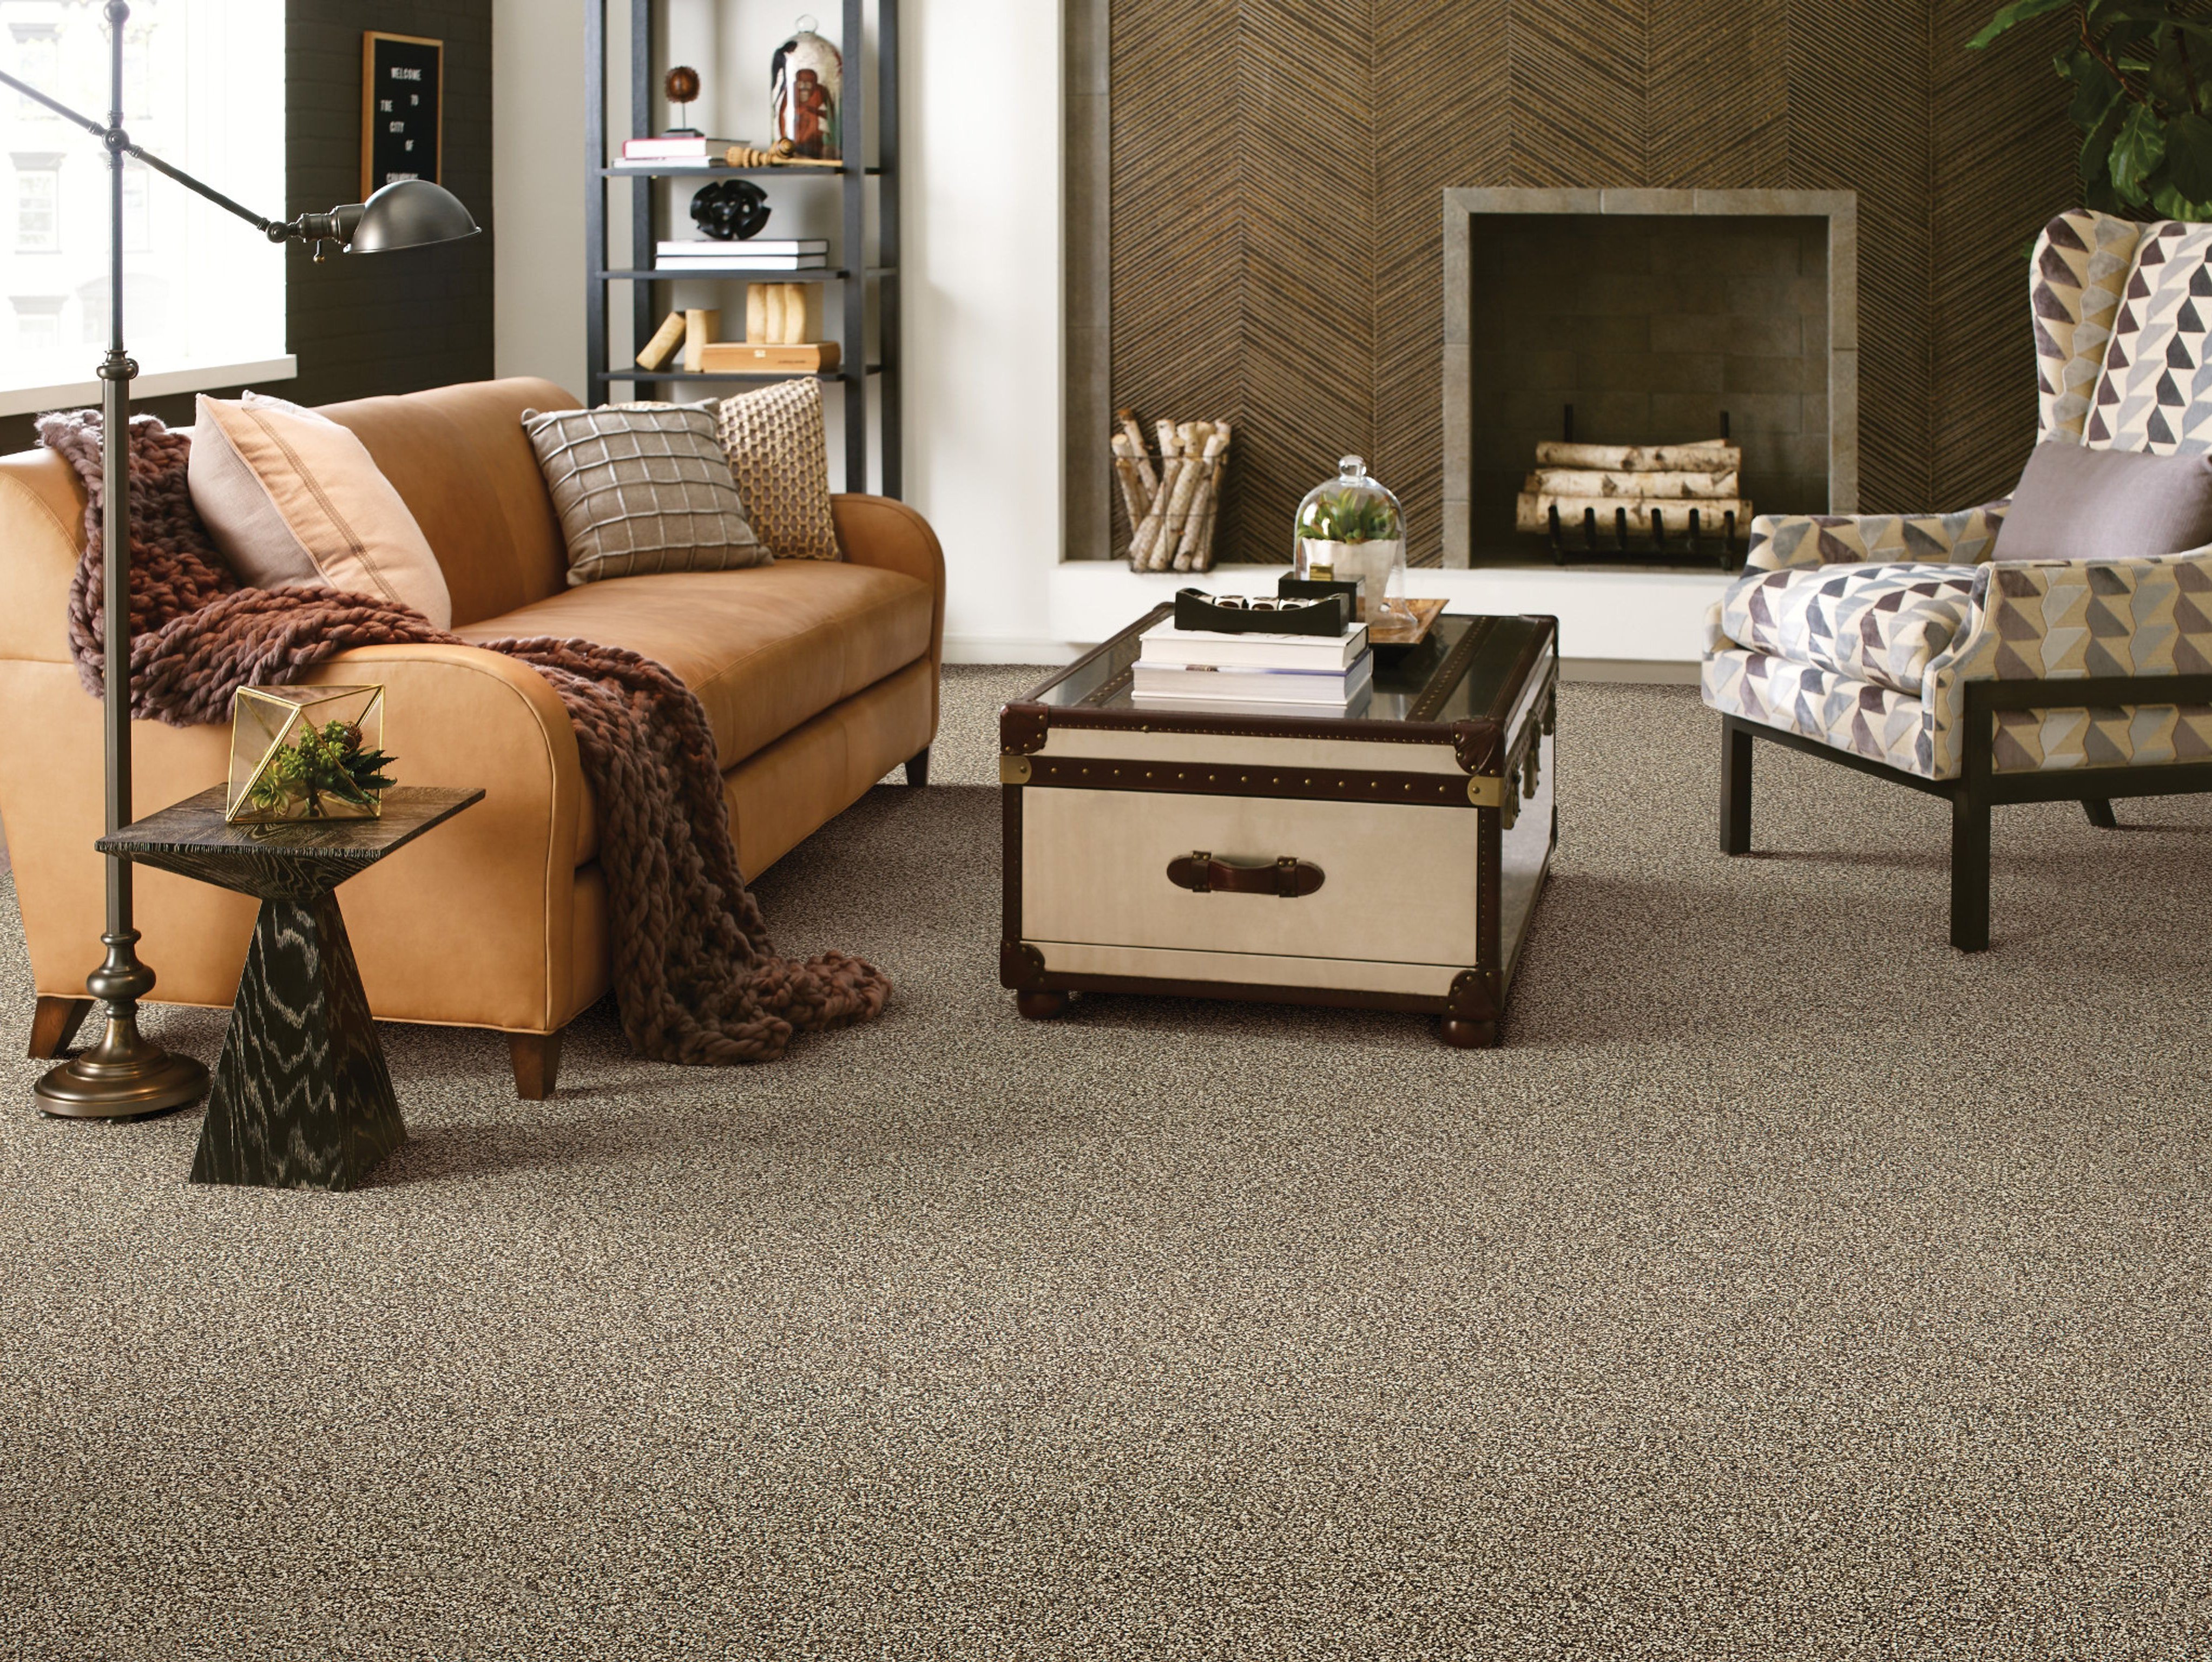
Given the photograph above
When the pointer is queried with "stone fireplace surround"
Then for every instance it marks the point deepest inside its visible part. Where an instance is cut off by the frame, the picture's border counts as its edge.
(1587, 297)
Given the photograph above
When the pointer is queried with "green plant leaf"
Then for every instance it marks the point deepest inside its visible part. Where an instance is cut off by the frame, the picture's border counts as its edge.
(2097, 152)
(2137, 149)
(2189, 157)
(2018, 12)
(2095, 92)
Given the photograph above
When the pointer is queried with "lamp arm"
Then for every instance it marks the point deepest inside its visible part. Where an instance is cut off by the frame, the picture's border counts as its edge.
(116, 139)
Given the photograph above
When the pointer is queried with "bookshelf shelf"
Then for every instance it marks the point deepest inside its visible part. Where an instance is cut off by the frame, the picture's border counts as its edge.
(855, 295)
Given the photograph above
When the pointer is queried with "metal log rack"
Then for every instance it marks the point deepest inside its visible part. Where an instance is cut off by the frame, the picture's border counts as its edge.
(1652, 547)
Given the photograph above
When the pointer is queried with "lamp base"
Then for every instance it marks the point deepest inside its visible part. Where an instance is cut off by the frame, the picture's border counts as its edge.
(125, 1076)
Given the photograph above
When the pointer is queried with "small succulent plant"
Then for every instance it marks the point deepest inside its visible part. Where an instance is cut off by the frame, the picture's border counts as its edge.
(326, 761)
(1349, 516)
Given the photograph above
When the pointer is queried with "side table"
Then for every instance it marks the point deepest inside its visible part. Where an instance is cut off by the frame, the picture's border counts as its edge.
(301, 1098)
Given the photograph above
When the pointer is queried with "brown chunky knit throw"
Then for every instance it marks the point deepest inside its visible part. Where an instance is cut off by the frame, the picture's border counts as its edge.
(694, 971)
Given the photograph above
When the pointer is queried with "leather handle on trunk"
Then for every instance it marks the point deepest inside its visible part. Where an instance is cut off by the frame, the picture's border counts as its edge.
(1287, 876)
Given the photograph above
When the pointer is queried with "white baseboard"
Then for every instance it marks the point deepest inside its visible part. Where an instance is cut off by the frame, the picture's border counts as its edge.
(1008, 649)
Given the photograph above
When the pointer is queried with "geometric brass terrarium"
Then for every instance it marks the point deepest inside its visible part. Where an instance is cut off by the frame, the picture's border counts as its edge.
(306, 752)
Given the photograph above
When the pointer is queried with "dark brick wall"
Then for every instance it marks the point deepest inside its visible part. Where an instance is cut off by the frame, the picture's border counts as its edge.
(388, 323)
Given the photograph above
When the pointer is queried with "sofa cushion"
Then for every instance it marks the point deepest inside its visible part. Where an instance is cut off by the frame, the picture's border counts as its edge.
(1877, 624)
(763, 649)
(774, 439)
(643, 489)
(294, 500)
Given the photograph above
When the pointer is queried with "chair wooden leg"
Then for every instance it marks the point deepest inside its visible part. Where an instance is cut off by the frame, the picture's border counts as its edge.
(1970, 872)
(536, 1058)
(54, 1023)
(2099, 810)
(1736, 789)
(917, 768)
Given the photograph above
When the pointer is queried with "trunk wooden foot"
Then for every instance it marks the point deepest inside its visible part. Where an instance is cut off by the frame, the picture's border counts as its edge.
(1469, 1035)
(1041, 1006)
(54, 1023)
(536, 1058)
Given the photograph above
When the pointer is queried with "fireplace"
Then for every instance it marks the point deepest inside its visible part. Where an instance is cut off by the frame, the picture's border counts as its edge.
(1635, 319)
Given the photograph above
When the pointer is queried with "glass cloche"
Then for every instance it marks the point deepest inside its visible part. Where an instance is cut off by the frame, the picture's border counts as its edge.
(1351, 529)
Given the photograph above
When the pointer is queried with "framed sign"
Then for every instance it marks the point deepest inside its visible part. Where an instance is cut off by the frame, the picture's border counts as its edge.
(403, 103)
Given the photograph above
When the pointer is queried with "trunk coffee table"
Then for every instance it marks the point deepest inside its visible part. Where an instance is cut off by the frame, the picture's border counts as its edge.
(301, 1098)
(1387, 858)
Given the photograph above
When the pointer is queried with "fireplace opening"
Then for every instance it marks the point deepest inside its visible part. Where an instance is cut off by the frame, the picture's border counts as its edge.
(1632, 387)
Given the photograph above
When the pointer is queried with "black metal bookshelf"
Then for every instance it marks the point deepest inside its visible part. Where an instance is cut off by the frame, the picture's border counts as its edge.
(857, 284)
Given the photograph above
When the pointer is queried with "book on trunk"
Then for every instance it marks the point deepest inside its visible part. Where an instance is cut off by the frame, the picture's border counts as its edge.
(1166, 645)
(1251, 691)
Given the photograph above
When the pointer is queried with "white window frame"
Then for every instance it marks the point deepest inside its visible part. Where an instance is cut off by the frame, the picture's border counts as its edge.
(38, 165)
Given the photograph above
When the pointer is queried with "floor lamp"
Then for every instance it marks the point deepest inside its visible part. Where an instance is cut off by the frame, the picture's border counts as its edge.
(127, 1074)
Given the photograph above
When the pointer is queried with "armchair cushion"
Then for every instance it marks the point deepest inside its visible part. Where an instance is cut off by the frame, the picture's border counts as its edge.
(2078, 504)
(1882, 624)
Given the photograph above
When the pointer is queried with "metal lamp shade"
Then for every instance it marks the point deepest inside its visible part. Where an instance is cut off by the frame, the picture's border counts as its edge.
(410, 213)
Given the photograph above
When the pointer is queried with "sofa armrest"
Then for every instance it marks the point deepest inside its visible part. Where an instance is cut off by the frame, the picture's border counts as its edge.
(479, 918)
(1782, 541)
(2061, 620)
(876, 531)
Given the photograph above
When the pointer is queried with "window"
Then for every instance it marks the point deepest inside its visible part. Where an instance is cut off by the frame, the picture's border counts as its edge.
(39, 61)
(38, 205)
(38, 322)
(204, 296)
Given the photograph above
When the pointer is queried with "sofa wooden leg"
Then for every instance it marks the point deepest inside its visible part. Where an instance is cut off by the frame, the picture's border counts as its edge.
(2099, 810)
(1970, 873)
(54, 1023)
(917, 768)
(536, 1058)
(1736, 789)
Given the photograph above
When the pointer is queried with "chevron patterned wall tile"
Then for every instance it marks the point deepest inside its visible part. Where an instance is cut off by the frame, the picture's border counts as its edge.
(1278, 169)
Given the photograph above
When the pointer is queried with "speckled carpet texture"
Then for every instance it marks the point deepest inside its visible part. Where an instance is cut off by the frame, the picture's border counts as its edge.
(1788, 1286)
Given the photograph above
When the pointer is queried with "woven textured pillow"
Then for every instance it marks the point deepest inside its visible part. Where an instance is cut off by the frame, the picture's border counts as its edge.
(774, 443)
(642, 489)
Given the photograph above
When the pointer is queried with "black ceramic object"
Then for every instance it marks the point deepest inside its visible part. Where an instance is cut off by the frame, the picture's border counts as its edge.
(730, 209)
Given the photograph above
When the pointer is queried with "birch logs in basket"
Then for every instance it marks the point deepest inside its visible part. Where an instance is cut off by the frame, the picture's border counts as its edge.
(1172, 508)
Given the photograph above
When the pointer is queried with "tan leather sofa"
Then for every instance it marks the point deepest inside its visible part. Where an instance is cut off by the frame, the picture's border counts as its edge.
(818, 678)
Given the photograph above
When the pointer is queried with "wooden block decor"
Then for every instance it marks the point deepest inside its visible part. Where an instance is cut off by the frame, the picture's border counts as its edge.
(1293, 284)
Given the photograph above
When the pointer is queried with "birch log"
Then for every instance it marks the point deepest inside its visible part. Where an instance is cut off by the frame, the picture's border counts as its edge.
(1201, 500)
(1532, 512)
(1590, 482)
(1149, 480)
(1189, 436)
(1702, 457)
(1148, 533)
(1135, 498)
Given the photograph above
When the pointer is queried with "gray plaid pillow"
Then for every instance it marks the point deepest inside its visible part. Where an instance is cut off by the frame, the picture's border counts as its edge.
(641, 489)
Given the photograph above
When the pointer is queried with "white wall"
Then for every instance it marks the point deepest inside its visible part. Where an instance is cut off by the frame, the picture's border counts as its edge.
(981, 128)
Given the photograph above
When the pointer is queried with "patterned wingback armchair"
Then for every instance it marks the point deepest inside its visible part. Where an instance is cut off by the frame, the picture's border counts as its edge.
(1903, 644)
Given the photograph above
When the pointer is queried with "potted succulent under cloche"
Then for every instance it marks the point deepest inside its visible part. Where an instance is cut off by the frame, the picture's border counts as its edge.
(1351, 530)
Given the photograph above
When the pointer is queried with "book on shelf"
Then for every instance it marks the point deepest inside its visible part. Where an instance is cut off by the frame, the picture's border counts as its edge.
(676, 147)
(1252, 691)
(743, 358)
(735, 262)
(1166, 647)
(685, 247)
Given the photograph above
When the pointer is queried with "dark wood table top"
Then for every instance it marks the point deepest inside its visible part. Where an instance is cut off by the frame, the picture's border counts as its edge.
(191, 837)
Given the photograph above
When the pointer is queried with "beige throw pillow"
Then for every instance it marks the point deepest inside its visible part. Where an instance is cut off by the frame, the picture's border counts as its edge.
(776, 450)
(642, 489)
(294, 500)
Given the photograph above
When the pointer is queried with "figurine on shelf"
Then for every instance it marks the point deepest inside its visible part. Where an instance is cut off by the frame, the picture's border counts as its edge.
(806, 77)
(682, 86)
(729, 210)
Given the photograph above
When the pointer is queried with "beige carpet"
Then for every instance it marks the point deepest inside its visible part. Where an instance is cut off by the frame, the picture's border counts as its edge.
(1789, 1286)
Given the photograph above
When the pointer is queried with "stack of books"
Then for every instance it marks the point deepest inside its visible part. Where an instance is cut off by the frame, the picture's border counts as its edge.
(675, 151)
(755, 254)
(1253, 673)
